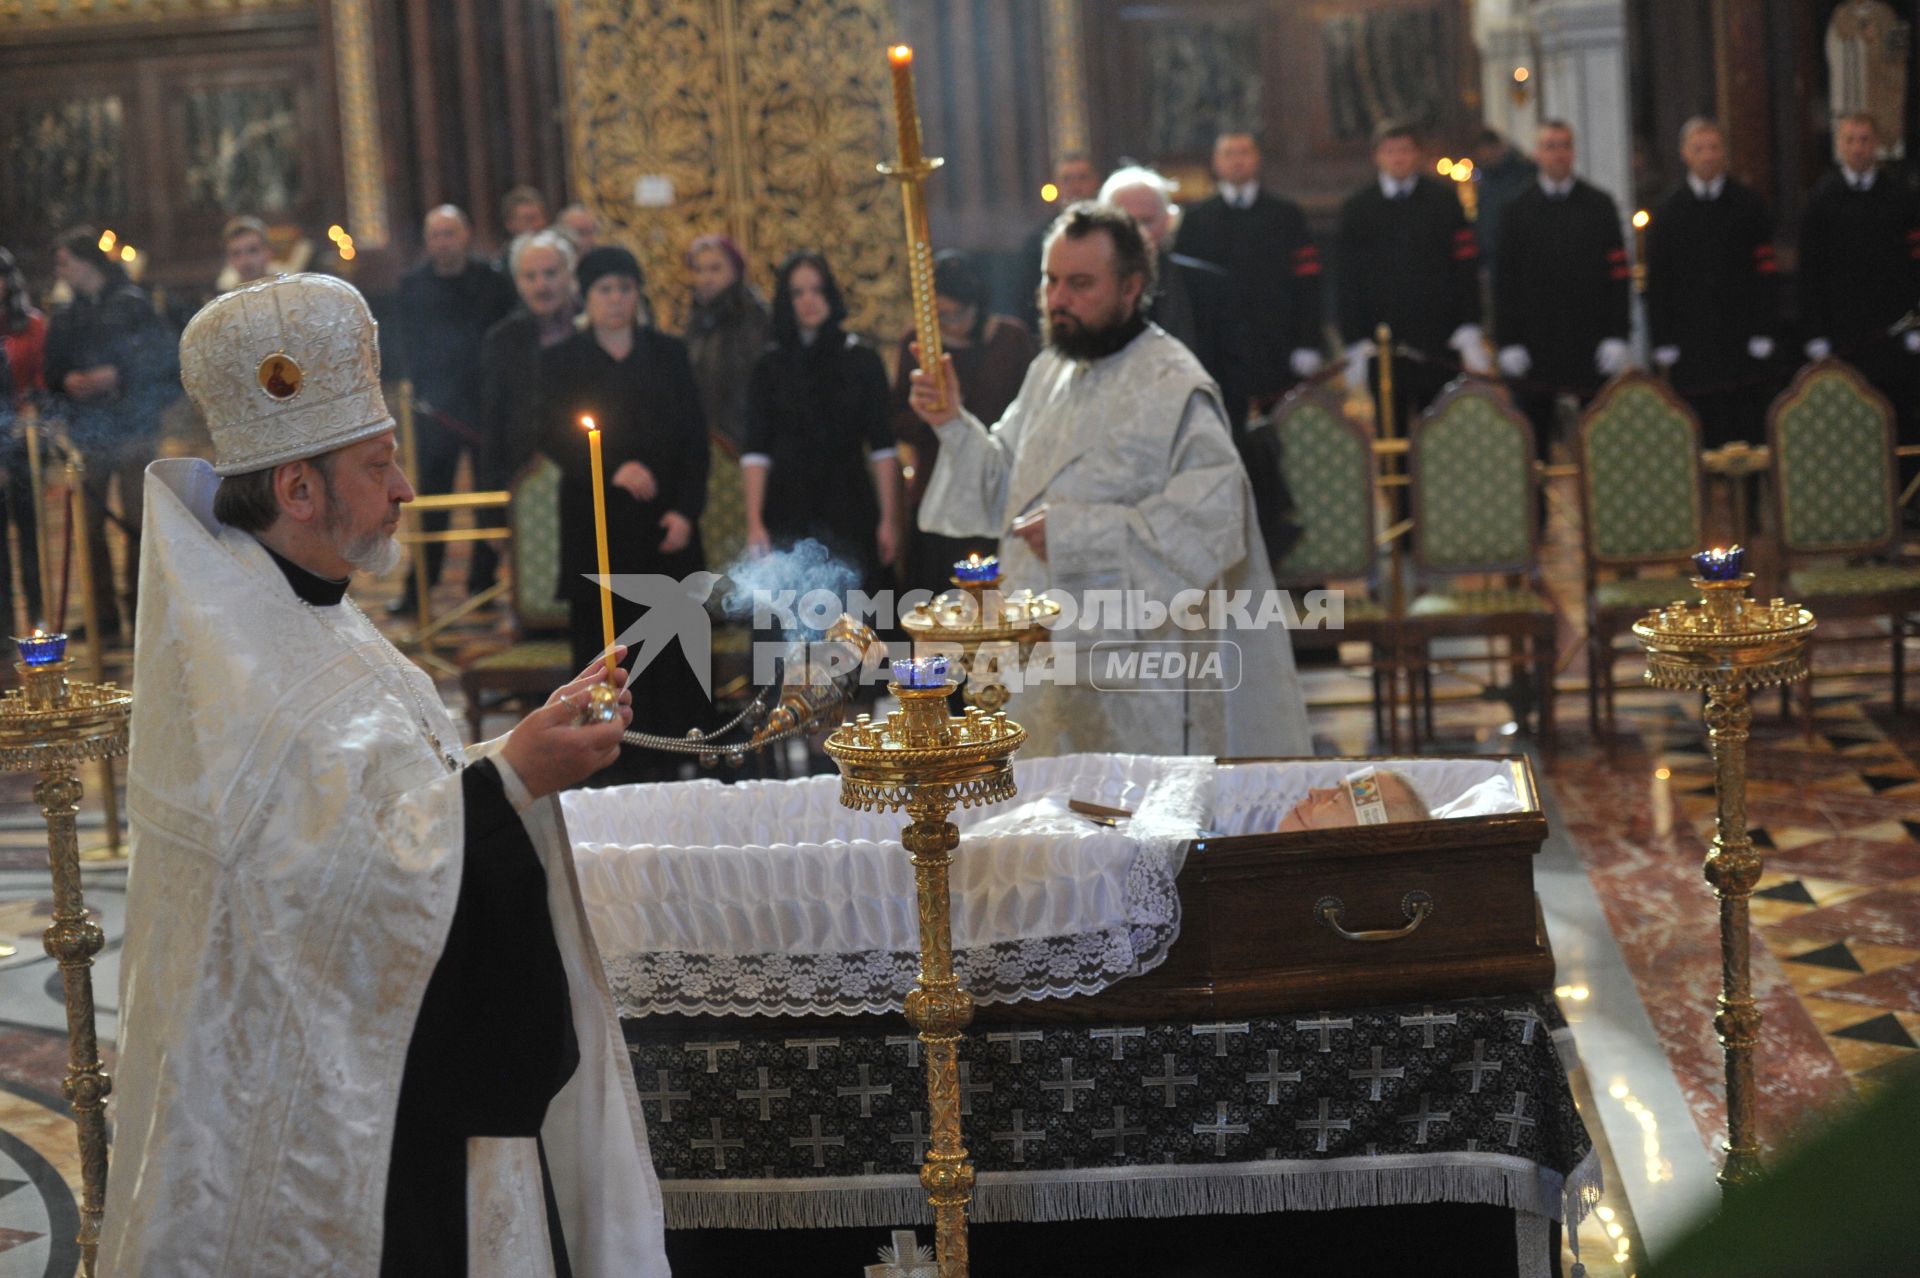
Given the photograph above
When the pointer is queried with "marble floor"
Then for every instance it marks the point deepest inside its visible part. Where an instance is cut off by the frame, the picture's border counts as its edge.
(1836, 953)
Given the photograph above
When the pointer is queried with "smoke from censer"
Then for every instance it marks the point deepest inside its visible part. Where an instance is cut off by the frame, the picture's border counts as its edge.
(802, 569)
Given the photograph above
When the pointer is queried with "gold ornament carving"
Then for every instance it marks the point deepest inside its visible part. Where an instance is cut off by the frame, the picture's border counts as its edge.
(764, 115)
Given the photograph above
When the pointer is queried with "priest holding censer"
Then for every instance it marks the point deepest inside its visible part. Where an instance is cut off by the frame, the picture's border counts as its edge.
(329, 1063)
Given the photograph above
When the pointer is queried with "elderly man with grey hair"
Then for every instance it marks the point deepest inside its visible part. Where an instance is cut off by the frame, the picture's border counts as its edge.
(510, 419)
(1196, 302)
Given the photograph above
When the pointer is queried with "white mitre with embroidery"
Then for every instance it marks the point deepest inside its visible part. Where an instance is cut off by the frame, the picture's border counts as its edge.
(297, 848)
(285, 369)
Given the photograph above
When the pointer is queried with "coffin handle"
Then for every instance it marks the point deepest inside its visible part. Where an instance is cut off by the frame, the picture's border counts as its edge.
(1415, 905)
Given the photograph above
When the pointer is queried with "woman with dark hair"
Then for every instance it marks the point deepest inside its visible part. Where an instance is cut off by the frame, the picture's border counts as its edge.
(820, 459)
(990, 357)
(23, 361)
(637, 385)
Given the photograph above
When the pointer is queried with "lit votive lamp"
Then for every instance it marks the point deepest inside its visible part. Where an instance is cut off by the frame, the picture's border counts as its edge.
(41, 648)
(920, 672)
(974, 568)
(1720, 565)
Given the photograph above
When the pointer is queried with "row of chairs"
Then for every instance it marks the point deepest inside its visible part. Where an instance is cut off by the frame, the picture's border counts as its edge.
(1474, 536)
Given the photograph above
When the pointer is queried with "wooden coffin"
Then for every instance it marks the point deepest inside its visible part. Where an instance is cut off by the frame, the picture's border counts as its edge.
(1255, 935)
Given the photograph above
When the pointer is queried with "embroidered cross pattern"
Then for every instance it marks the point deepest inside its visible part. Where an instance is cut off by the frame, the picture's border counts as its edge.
(1119, 1037)
(1425, 1117)
(866, 1090)
(764, 1094)
(812, 1047)
(719, 1145)
(1529, 1021)
(1321, 1125)
(1169, 1081)
(1220, 1129)
(1066, 1085)
(917, 1137)
(1119, 1131)
(815, 1141)
(1478, 1065)
(1377, 1074)
(1013, 1039)
(1516, 1120)
(665, 1097)
(1325, 1025)
(1427, 1021)
(1019, 1137)
(1220, 1031)
(1274, 1076)
(968, 1087)
(909, 1041)
(711, 1050)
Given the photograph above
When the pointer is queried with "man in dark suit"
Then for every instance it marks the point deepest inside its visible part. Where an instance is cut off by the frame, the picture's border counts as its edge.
(1261, 241)
(1409, 259)
(1196, 301)
(1860, 269)
(1560, 285)
(1074, 179)
(1711, 280)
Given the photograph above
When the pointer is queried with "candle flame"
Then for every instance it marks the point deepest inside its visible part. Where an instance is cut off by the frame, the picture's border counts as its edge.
(901, 55)
(1520, 75)
(38, 633)
(1641, 218)
(1444, 167)
(586, 422)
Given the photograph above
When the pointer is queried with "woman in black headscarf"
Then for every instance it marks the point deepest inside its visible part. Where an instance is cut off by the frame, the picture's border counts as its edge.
(819, 460)
(637, 385)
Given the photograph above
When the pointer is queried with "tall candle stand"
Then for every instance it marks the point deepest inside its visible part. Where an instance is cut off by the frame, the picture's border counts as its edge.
(927, 762)
(1728, 645)
(983, 626)
(52, 726)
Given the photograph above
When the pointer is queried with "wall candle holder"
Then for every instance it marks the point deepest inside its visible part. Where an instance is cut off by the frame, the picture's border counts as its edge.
(1727, 645)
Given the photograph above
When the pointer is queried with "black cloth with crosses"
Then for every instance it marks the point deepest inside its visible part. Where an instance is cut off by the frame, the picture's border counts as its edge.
(1479, 1075)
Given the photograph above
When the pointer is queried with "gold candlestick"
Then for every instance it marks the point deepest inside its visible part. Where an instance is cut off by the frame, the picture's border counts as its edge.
(928, 762)
(977, 618)
(911, 173)
(1727, 645)
(52, 726)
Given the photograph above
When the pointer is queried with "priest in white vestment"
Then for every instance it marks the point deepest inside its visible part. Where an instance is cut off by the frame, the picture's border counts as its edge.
(1114, 472)
(363, 1026)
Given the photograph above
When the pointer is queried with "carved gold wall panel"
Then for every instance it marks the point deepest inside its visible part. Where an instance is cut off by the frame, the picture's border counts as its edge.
(767, 117)
(1067, 73)
(48, 13)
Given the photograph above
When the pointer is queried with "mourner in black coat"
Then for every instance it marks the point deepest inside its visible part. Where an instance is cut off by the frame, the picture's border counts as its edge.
(648, 410)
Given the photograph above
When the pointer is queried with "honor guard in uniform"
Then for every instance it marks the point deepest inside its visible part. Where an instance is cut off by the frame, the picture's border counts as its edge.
(1560, 285)
(1710, 290)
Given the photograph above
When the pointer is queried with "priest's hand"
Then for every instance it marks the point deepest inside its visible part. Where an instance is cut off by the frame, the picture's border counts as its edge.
(594, 673)
(930, 403)
(1032, 529)
(637, 480)
(679, 532)
(552, 749)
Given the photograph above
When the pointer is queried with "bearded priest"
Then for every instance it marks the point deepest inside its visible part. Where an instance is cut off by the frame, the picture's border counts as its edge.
(1113, 484)
(363, 1027)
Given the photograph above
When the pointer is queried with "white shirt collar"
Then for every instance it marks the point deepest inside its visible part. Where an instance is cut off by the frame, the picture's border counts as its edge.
(1393, 190)
(1859, 181)
(1558, 190)
(1707, 190)
(1239, 195)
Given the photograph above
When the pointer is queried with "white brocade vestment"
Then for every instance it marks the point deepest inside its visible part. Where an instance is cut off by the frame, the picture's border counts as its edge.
(296, 858)
(1145, 495)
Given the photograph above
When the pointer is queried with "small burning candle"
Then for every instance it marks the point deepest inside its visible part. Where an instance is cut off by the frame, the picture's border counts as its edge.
(41, 648)
(975, 568)
(600, 539)
(1720, 565)
(920, 672)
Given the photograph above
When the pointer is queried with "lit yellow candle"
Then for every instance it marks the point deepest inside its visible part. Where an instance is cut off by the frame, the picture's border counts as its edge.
(600, 540)
(900, 58)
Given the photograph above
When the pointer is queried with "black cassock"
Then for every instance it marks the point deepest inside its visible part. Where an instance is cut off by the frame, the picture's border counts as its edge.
(1711, 288)
(1412, 263)
(818, 413)
(1270, 256)
(648, 410)
(1859, 273)
(1560, 288)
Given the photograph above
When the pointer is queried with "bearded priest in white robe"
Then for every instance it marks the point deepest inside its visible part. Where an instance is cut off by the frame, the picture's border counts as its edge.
(363, 1027)
(1114, 471)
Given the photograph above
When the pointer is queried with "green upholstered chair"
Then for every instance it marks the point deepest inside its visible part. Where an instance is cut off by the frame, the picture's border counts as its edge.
(1831, 439)
(1641, 516)
(1475, 554)
(1327, 462)
(540, 658)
